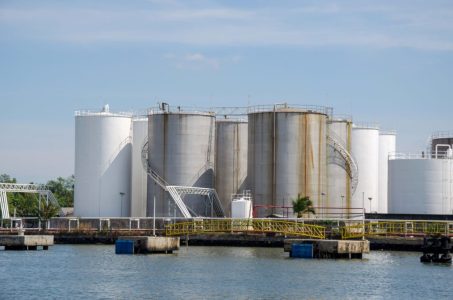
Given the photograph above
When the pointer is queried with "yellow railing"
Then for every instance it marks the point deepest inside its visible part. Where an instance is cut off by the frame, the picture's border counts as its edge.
(205, 226)
(400, 228)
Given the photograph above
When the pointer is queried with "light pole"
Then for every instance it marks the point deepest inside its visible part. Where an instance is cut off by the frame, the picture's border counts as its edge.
(122, 195)
(342, 205)
(322, 205)
(370, 198)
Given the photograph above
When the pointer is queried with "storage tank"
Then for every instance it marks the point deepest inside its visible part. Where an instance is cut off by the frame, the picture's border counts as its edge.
(102, 164)
(139, 176)
(365, 148)
(420, 185)
(339, 182)
(181, 151)
(287, 157)
(231, 160)
(441, 140)
(387, 145)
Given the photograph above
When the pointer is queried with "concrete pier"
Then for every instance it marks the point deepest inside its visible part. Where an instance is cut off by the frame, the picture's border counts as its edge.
(26, 242)
(153, 244)
(332, 248)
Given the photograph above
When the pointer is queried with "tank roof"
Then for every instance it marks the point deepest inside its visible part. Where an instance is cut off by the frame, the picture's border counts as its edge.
(387, 132)
(88, 113)
(231, 120)
(365, 125)
(341, 118)
(442, 135)
(164, 108)
(419, 155)
(291, 108)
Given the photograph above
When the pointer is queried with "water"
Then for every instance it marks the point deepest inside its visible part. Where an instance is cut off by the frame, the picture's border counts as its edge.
(80, 271)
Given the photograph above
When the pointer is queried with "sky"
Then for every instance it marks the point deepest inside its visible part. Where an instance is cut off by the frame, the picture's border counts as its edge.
(386, 62)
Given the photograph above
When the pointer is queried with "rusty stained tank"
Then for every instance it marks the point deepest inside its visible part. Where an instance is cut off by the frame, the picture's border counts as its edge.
(181, 152)
(231, 160)
(287, 157)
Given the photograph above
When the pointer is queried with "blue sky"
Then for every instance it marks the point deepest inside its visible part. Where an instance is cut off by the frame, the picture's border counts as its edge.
(389, 62)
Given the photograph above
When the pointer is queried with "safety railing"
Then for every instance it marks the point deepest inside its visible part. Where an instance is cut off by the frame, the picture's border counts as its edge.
(285, 106)
(206, 226)
(420, 155)
(396, 228)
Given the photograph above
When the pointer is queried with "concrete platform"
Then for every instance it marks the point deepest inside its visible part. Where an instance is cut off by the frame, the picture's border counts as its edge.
(332, 248)
(26, 242)
(153, 244)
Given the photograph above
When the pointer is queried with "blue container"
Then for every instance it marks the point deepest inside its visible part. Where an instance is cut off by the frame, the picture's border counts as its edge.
(302, 250)
(124, 247)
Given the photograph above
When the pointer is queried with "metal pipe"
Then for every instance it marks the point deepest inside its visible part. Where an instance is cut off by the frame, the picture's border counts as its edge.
(442, 145)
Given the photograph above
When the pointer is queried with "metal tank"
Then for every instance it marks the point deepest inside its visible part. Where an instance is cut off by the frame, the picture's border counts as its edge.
(286, 157)
(339, 182)
(420, 185)
(102, 164)
(440, 142)
(387, 145)
(365, 148)
(139, 176)
(230, 160)
(181, 152)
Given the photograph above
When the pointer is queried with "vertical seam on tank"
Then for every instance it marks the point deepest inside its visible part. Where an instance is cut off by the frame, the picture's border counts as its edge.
(320, 186)
(273, 158)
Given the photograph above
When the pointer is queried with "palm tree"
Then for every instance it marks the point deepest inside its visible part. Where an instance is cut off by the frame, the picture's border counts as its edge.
(303, 205)
(45, 211)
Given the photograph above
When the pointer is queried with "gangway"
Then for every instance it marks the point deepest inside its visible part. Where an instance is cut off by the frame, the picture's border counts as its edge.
(40, 189)
(207, 226)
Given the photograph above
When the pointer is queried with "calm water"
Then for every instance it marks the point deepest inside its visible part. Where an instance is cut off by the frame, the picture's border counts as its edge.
(216, 272)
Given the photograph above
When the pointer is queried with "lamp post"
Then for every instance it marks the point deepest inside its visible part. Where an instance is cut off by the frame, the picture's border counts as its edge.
(322, 205)
(342, 205)
(122, 195)
(370, 198)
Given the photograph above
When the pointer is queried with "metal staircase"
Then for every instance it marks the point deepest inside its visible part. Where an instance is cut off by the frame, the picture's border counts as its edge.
(177, 193)
(344, 159)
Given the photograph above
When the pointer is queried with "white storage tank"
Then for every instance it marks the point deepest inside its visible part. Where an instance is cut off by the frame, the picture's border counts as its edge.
(139, 176)
(420, 185)
(241, 207)
(340, 190)
(102, 164)
(181, 147)
(365, 148)
(231, 160)
(387, 145)
(287, 157)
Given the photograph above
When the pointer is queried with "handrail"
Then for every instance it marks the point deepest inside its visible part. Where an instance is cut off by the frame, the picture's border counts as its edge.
(403, 227)
(206, 226)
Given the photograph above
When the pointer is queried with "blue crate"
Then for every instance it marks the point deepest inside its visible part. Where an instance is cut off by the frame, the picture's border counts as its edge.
(302, 250)
(124, 247)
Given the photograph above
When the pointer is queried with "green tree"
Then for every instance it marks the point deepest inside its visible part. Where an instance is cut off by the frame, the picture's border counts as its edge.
(303, 205)
(63, 190)
(5, 178)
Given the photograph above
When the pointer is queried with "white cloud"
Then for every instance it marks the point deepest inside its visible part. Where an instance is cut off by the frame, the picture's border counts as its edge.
(193, 61)
(384, 24)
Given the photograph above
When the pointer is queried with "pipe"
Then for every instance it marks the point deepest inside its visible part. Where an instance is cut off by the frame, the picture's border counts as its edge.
(442, 145)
